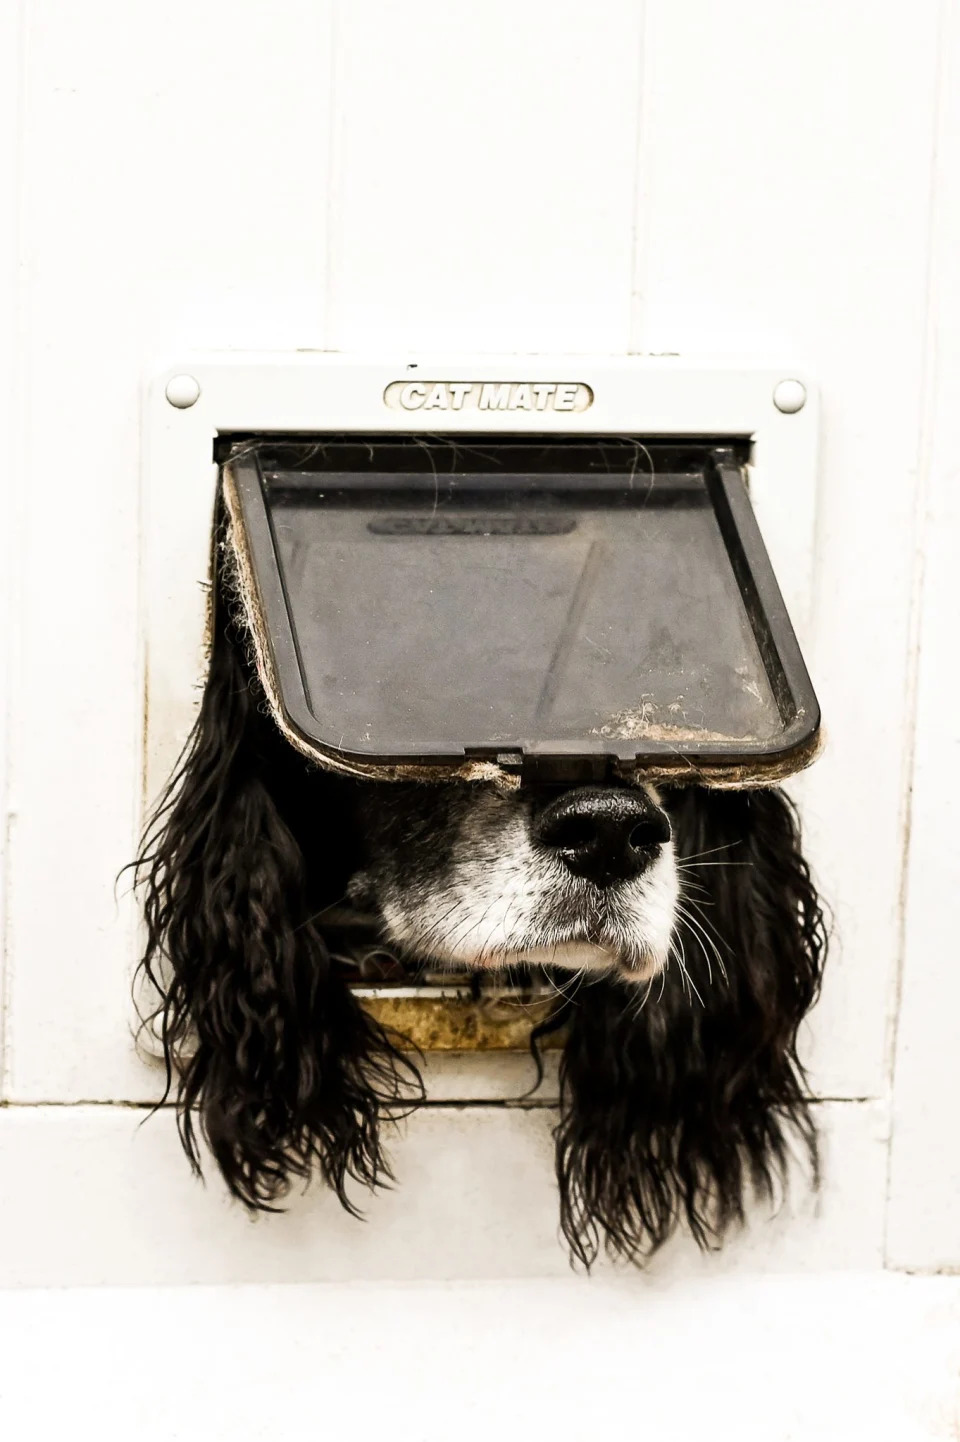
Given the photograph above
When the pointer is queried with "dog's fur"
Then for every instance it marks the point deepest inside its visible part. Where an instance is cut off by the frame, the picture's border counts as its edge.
(680, 1083)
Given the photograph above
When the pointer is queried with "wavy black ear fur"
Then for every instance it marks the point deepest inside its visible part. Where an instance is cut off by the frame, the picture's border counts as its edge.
(677, 1106)
(265, 1046)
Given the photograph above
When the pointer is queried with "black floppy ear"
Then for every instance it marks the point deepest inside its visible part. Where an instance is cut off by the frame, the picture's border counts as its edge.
(676, 1104)
(266, 1047)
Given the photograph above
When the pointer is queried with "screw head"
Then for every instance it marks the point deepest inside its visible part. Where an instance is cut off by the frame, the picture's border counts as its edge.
(789, 397)
(183, 391)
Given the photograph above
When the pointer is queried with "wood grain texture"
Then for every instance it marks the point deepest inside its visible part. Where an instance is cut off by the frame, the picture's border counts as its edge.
(167, 205)
(924, 1207)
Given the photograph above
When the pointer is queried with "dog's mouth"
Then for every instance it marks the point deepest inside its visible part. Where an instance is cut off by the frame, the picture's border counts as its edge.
(596, 933)
(591, 954)
(595, 944)
(597, 941)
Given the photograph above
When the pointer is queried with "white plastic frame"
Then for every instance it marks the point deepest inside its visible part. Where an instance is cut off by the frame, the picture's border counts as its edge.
(310, 391)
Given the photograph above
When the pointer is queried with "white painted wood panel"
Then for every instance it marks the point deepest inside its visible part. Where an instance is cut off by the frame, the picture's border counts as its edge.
(200, 176)
(10, 491)
(483, 189)
(924, 1208)
(175, 162)
(101, 1199)
(783, 205)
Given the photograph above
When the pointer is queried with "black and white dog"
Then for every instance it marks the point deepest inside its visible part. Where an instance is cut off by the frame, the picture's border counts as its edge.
(687, 917)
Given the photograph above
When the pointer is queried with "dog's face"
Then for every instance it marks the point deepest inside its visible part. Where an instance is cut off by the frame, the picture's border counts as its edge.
(473, 876)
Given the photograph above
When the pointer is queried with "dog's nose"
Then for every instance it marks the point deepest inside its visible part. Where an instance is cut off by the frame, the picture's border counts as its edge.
(603, 834)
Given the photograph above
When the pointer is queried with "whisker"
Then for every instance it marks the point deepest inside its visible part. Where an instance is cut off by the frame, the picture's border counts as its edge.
(706, 946)
(705, 942)
(308, 920)
(712, 851)
(678, 940)
(688, 921)
(637, 1009)
(697, 907)
(698, 865)
(688, 978)
(578, 980)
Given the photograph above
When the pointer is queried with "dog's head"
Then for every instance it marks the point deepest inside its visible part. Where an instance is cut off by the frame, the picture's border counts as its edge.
(689, 917)
(477, 877)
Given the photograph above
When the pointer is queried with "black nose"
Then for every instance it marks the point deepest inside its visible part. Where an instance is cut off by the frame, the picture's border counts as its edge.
(603, 834)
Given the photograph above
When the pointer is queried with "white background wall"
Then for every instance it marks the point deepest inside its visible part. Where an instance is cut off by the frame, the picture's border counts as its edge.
(747, 178)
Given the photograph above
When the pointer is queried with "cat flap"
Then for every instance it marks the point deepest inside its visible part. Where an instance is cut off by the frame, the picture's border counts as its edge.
(560, 607)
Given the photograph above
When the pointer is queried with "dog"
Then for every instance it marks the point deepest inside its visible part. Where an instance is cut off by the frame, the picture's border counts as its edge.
(681, 927)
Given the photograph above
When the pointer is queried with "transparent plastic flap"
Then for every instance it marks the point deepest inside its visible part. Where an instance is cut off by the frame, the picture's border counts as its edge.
(428, 599)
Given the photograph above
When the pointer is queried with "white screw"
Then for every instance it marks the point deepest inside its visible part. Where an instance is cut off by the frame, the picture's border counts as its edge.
(790, 397)
(183, 391)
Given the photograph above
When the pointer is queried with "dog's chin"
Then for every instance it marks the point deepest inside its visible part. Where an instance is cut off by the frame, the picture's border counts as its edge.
(581, 956)
(590, 957)
(568, 955)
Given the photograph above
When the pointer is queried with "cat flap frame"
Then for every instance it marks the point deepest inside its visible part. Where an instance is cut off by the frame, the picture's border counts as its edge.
(203, 405)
